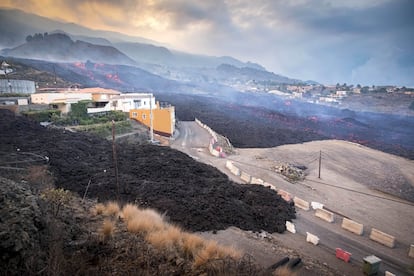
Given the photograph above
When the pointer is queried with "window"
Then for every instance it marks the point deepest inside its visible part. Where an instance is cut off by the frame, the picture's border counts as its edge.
(134, 114)
(144, 116)
(137, 104)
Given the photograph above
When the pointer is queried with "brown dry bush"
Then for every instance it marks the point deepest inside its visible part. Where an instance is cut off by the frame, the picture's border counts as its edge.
(129, 211)
(108, 228)
(208, 252)
(143, 221)
(40, 177)
(284, 271)
(98, 209)
(166, 238)
(191, 244)
(112, 208)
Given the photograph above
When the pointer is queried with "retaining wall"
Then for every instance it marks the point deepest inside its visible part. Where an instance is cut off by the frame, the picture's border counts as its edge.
(383, 238)
(352, 226)
(325, 215)
(300, 203)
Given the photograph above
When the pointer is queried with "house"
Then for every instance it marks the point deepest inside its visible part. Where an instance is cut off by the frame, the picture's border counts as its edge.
(60, 100)
(163, 118)
(128, 101)
(138, 105)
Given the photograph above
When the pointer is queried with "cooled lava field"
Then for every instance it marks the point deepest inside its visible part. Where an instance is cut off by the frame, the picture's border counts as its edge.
(194, 195)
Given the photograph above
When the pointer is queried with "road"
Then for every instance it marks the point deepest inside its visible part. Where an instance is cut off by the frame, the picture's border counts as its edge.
(193, 140)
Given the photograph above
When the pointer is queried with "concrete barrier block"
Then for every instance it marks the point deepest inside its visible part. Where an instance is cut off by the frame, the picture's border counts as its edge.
(312, 238)
(325, 215)
(300, 203)
(257, 181)
(352, 226)
(285, 195)
(235, 171)
(245, 177)
(290, 227)
(343, 255)
(229, 165)
(411, 251)
(316, 205)
(383, 238)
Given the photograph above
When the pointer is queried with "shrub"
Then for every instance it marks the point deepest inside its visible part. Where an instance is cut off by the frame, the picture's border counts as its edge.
(284, 271)
(98, 209)
(129, 211)
(211, 251)
(56, 198)
(42, 115)
(191, 244)
(111, 208)
(107, 229)
(208, 252)
(145, 221)
(166, 238)
(40, 177)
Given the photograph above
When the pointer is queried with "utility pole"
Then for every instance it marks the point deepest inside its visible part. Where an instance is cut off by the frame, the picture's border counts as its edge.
(114, 158)
(151, 121)
(320, 162)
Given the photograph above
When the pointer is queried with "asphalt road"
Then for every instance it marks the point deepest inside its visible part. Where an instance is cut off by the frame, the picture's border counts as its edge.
(193, 140)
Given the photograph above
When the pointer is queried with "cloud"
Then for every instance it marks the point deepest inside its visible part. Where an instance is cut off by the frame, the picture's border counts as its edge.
(325, 40)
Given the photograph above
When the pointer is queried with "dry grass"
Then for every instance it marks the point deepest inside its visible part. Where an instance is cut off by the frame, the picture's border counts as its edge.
(191, 244)
(225, 251)
(166, 238)
(98, 209)
(208, 252)
(108, 228)
(284, 271)
(129, 211)
(211, 250)
(40, 177)
(112, 208)
(143, 221)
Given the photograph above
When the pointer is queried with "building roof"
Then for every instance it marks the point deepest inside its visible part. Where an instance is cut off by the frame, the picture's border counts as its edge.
(98, 90)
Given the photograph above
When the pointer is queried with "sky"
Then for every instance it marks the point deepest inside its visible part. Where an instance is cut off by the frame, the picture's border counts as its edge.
(367, 42)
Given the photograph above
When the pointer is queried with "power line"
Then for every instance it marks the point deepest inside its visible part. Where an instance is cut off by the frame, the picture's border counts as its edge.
(363, 193)
(331, 185)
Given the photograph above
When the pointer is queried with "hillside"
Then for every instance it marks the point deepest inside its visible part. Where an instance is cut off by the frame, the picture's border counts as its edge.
(60, 47)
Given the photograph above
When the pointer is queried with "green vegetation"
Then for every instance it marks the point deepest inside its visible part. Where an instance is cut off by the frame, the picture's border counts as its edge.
(105, 129)
(42, 115)
(14, 95)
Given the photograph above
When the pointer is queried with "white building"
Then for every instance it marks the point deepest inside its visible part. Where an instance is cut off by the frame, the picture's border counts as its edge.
(60, 100)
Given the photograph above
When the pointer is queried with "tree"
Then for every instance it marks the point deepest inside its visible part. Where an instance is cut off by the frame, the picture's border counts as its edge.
(365, 89)
(29, 38)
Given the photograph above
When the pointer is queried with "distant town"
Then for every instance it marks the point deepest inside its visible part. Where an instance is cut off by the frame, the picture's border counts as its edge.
(323, 94)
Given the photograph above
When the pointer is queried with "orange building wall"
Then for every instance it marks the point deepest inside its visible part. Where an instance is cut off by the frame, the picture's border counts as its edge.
(163, 119)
